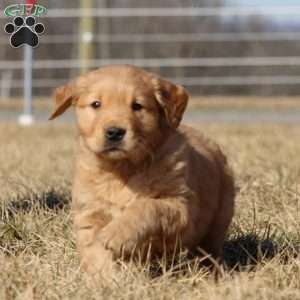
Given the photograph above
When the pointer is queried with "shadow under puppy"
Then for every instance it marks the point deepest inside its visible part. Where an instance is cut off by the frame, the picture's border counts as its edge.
(140, 178)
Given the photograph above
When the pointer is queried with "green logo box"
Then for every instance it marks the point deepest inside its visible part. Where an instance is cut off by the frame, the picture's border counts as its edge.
(35, 10)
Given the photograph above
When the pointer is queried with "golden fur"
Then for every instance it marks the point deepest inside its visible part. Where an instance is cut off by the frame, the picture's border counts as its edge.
(160, 185)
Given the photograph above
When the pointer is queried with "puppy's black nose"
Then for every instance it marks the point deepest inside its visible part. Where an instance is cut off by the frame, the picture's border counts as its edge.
(115, 134)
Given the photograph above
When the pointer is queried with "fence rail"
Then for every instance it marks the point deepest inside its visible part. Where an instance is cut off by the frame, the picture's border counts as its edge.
(172, 38)
(174, 12)
(190, 81)
(160, 62)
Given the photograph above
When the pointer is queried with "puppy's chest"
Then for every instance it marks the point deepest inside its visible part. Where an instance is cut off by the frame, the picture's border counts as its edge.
(112, 195)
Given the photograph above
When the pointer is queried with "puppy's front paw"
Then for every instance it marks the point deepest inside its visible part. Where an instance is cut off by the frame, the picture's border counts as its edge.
(97, 260)
(119, 238)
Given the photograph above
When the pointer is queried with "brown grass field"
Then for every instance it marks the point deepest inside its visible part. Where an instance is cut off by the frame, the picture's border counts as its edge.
(38, 259)
(239, 103)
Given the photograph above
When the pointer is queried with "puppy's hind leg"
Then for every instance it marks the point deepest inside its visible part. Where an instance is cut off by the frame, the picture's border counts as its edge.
(213, 241)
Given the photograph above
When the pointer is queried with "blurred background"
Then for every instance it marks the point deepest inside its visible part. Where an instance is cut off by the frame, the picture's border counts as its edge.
(239, 59)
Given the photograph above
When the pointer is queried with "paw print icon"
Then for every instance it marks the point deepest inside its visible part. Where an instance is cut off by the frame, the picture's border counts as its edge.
(24, 31)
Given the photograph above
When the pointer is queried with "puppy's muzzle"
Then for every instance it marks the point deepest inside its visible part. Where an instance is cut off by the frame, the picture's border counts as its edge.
(115, 134)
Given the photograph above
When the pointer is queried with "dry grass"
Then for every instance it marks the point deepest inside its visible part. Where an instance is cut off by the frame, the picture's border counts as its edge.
(245, 103)
(265, 103)
(16, 104)
(38, 259)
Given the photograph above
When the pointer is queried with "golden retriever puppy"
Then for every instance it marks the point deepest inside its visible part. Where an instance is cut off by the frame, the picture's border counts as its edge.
(140, 178)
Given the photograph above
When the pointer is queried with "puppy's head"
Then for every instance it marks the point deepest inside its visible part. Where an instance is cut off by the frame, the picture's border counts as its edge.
(123, 112)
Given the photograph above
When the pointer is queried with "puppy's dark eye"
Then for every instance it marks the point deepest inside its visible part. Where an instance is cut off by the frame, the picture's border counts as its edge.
(136, 106)
(96, 104)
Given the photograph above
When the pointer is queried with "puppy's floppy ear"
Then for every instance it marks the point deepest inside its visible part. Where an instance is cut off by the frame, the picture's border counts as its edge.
(172, 98)
(64, 97)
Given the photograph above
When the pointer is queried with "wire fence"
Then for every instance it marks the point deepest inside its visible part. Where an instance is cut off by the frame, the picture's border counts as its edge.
(178, 67)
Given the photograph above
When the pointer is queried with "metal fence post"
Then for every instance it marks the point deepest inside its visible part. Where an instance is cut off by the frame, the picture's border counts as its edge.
(26, 118)
(86, 35)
